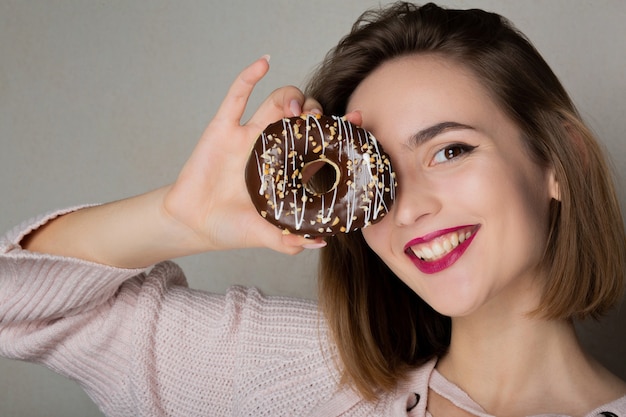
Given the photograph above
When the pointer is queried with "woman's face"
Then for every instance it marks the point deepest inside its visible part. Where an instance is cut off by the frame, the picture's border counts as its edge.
(469, 225)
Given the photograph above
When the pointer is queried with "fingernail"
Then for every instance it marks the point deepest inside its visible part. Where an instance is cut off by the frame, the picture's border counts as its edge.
(316, 245)
(295, 108)
(316, 111)
(266, 57)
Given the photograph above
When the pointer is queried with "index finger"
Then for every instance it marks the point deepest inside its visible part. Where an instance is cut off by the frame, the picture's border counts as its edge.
(234, 104)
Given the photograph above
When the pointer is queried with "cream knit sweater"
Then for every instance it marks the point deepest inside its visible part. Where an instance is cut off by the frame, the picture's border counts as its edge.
(141, 343)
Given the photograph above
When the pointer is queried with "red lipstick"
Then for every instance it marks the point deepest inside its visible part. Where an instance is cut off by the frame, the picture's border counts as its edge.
(434, 266)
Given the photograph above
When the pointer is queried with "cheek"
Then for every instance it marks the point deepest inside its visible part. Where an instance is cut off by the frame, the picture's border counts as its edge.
(519, 213)
(498, 188)
(536, 208)
(530, 192)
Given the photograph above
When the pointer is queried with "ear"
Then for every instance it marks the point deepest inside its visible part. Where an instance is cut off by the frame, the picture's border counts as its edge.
(553, 185)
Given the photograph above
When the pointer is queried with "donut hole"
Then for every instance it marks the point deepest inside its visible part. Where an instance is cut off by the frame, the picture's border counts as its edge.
(320, 176)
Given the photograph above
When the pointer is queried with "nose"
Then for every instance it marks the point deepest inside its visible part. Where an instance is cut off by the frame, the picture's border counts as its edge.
(416, 199)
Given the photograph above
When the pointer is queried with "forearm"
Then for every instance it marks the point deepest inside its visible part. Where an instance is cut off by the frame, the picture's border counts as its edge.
(131, 233)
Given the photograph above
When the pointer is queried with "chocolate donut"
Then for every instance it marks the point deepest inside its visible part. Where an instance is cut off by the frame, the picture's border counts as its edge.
(317, 175)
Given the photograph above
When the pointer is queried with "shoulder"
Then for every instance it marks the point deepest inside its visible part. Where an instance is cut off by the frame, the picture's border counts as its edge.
(243, 314)
(273, 353)
(239, 304)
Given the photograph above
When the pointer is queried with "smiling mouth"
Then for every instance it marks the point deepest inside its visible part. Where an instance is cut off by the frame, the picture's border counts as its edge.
(439, 250)
(441, 246)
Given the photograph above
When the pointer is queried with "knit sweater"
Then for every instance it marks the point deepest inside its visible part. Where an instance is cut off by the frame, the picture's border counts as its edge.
(141, 343)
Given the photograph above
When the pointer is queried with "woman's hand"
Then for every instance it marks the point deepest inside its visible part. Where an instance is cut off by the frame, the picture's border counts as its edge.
(210, 197)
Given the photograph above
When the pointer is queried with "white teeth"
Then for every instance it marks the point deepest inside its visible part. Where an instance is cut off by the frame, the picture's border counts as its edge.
(428, 254)
(440, 247)
(437, 249)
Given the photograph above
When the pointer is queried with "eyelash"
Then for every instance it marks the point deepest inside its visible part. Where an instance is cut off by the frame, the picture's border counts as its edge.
(451, 152)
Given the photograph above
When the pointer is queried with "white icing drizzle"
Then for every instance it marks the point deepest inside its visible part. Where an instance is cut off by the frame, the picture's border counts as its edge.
(368, 174)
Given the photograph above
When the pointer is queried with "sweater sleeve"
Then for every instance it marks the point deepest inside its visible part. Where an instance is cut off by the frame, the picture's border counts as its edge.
(39, 292)
(141, 343)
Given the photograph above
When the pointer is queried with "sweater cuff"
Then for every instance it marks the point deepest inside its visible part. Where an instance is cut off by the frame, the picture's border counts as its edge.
(11, 240)
(55, 285)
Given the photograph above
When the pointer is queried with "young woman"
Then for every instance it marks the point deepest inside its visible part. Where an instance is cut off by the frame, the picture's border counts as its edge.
(458, 303)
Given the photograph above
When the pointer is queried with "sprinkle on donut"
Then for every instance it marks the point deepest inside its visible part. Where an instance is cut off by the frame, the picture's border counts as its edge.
(317, 175)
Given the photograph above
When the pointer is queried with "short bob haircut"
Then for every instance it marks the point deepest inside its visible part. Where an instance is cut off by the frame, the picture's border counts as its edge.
(380, 326)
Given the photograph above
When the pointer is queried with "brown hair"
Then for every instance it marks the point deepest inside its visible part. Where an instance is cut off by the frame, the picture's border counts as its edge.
(381, 327)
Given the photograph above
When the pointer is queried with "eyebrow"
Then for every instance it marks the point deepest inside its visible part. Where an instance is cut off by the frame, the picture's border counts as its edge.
(431, 132)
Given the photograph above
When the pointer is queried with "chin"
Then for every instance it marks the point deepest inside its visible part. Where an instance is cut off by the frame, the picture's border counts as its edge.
(451, 300)
(452, 307)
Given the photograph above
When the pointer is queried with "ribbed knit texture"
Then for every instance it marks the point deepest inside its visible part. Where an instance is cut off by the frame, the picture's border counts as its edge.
(141, 343)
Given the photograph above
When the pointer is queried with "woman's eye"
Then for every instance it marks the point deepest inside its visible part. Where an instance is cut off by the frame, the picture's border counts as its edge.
(451, 152)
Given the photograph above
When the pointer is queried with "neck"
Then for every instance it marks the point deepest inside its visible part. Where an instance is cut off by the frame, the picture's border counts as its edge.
(525, 365)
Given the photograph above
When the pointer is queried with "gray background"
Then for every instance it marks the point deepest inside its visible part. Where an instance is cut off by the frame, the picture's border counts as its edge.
(100, 100)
